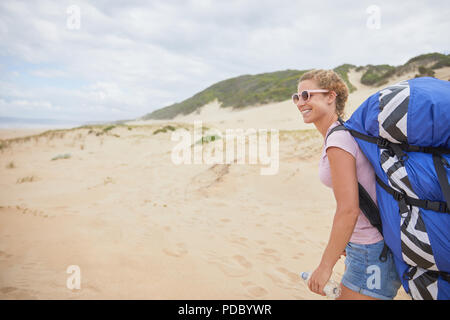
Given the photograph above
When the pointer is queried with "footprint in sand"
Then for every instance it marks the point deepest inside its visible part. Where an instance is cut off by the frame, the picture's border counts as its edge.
(269, 255)
(92, 288)
(235, 266)
(3, 254)
(253, 290)
(242, 261)
(240, 240)
(283, 278)
(218, 204)
(6, 290)
(178, 250)
(297, 256)
(200, 183)
(16, 293)
(30, 265)
(289, 275)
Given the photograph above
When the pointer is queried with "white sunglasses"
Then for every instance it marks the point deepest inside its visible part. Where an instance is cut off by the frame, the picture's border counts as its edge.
(306, 95)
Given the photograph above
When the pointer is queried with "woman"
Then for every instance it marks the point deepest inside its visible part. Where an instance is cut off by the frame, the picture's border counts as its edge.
(321, 99)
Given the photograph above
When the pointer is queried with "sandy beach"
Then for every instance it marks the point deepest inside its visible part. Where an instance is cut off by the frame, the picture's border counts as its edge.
(113, 203)
(140, 227)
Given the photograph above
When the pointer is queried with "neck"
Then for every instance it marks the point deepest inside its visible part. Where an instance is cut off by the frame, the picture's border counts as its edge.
(324, 123)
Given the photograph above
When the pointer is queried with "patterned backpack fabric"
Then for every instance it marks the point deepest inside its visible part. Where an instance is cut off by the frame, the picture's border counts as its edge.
(404, 130)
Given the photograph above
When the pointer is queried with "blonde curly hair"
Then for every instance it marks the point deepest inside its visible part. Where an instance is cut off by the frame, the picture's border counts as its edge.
(330, 80)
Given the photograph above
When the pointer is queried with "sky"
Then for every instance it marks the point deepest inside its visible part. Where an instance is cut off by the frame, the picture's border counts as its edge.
(115, 60)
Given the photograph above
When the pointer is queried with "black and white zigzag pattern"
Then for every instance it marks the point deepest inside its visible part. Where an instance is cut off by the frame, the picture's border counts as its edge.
(415, 243)
(416, 248)
(423, 284)
(392, 118)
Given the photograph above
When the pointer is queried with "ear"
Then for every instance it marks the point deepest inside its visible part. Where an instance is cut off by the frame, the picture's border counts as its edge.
(332, 96)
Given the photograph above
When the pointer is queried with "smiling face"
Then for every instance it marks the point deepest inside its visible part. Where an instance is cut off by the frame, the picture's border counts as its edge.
(319, 105)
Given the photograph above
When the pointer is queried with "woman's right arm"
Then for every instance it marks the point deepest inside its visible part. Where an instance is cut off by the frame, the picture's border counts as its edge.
(345, 188)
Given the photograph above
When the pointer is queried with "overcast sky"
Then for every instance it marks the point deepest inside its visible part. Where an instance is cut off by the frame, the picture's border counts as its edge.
(123, 59)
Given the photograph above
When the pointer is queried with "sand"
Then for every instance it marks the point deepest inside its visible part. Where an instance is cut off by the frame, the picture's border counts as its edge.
(138, 226)
(6, 134)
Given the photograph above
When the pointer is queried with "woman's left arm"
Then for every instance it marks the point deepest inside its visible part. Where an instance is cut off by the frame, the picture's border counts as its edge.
(345, 188)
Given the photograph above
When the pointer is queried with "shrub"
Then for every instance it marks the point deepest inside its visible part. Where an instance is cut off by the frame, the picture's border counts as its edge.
(164, 129)
(342, 71)
(26, 179)
(108, 128)
(208, 138)
(61, 156)
(425, 72)
(376, 75)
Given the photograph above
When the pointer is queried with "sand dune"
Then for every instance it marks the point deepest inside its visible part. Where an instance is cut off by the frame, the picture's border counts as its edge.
(140, 227)
(281, 115)
(20, 132)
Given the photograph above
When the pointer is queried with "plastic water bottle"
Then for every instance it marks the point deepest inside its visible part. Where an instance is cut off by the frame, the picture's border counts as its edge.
(332, 289)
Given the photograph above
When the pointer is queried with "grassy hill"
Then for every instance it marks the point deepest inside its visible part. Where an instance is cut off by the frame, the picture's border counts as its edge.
(237, 92)
(277, 86)
(377, 75)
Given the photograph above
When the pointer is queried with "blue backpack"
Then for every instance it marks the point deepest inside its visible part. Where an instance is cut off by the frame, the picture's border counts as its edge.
(404, 131)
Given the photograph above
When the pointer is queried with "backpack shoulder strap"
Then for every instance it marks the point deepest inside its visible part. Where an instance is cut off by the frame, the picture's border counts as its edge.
(369, 208)
(366, 204)
(337, 128)
(440, 164)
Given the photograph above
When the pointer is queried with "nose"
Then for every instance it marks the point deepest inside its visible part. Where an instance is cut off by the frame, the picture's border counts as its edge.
(300, 103)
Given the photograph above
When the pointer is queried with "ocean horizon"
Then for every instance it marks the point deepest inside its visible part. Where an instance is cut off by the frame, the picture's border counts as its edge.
(32, 123)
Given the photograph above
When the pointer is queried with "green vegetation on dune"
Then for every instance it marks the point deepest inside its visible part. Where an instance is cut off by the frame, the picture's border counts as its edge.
(377, 75)
(425, 72)
(237, 93)
(249, 90)
(208, 139)
(61, 156)
(343, 71)
(437, 60)
(243, 91)
(164, 130)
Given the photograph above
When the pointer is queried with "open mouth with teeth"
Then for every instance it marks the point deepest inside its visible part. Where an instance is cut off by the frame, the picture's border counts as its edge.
(306, 111)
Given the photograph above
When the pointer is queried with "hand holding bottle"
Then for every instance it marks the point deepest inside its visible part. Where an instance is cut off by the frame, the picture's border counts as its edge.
(331, 288)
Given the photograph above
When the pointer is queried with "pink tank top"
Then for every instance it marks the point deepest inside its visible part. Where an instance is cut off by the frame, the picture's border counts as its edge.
(364, 232)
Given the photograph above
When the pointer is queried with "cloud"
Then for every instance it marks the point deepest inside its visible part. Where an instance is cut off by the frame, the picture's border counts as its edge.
(129, 58)
(49, 73)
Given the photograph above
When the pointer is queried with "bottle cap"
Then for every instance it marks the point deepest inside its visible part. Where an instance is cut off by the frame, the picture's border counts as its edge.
(337, 292)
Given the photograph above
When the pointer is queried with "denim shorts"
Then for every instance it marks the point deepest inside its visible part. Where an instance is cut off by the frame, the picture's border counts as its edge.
(366, 274)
